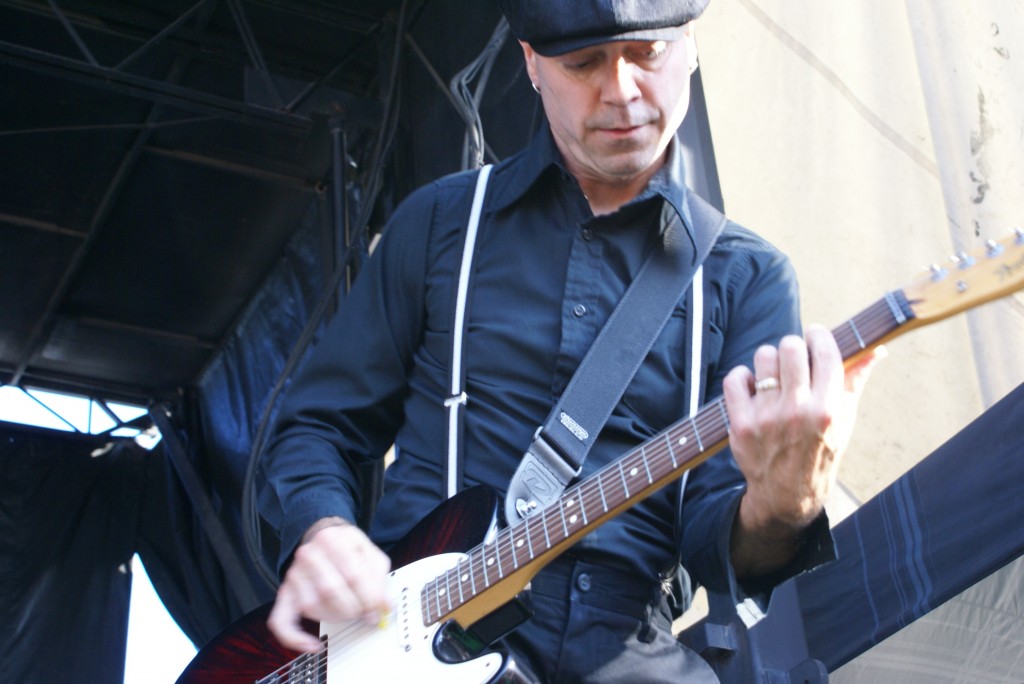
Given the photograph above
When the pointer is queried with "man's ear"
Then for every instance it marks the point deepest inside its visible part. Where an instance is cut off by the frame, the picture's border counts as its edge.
(530, 57)
(691, 45)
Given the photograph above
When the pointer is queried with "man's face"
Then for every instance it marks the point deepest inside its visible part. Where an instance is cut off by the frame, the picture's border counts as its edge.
(614, 107)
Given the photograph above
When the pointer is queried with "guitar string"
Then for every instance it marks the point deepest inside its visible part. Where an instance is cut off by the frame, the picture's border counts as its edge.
(875, 322)
(510, 541)
(504, 550)
(300, 663)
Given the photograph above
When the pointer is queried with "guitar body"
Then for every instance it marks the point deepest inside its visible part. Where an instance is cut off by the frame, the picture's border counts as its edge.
(246, 651)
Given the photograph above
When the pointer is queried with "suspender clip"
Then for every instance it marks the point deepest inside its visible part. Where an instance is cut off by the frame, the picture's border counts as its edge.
(456, 400)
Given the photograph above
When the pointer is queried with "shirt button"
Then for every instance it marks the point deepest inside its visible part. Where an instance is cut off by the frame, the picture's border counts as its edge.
(579, 311)
(588, 234)
(583, 582)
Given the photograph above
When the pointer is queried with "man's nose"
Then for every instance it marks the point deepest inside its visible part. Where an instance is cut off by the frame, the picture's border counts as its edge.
(621, 83)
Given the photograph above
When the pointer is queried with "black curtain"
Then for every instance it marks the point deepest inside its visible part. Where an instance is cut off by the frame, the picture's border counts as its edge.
(69, 518)
(949, 522)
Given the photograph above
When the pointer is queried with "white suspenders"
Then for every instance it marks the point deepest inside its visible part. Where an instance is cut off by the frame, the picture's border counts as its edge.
(696, 359)
(457, 398)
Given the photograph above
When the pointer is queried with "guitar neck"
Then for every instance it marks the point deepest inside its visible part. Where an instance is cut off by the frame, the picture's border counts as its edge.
(494, 572)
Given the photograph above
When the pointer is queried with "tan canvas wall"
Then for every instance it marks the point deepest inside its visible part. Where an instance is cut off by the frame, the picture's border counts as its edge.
(868, 140)
(844, 133)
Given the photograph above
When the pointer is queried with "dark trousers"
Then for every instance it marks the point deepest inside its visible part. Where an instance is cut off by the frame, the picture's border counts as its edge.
(595, 625)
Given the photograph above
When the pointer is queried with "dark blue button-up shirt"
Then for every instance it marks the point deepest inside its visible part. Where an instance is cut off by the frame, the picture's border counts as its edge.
(546, 276)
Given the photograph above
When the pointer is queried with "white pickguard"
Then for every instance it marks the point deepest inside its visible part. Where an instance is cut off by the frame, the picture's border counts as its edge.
(401, 648)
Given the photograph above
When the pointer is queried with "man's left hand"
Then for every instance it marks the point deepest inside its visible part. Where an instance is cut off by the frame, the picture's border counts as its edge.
(791, 419)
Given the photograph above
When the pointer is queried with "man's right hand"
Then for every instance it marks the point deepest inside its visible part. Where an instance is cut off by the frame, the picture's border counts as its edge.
(337, 574)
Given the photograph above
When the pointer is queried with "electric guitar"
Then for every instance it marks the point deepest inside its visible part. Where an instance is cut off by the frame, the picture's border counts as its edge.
(454, 571)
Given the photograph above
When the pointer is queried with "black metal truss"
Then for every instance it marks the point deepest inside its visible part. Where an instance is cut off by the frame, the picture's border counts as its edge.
(286, 116)
(185, 34)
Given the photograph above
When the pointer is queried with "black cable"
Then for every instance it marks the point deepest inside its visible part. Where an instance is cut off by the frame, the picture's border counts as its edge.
(468, 104)
(250, 516)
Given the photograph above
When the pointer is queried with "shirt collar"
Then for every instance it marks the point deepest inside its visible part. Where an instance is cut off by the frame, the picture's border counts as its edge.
(541, 155)
(516, 179)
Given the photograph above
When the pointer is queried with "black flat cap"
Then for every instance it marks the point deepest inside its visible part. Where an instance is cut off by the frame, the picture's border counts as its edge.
(554, 27)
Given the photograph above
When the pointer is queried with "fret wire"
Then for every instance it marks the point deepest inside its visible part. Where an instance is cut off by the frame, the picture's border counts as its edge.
(643, 457)
(853, 328)
(547, 537)
(453, 599)
(880, 317)
(448, 587)
(600, 489)
(529, 541)
(516, 545)
(725, 415)
(652, 462)
(572, 496)
(427, 599)
(561, 509)
(686, 442)
(437, 597)
(532, 537)
(485, 580)
(889, 311)
(894, 308)
(625, 487)
(660, 461)
(483, 565)
(708, 421)
(874, 322)
(461, 574)
(671, 451)
(700, 444)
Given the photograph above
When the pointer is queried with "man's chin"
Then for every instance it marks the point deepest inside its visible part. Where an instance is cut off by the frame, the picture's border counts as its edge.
(629, 165)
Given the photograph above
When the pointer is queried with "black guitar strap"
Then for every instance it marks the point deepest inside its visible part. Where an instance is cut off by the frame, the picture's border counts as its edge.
(561, 444)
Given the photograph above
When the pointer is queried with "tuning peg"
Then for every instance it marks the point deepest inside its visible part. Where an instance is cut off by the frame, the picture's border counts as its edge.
(993, 248)
(1020, 235)
(938, 272)
(963, 260)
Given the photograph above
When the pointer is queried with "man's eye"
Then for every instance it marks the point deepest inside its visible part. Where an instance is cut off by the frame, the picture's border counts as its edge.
(653, 52)
(579, 65)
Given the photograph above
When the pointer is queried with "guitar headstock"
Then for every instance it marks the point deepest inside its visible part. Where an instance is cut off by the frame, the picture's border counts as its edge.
(994, 271)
